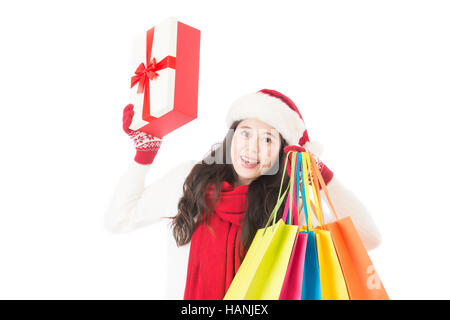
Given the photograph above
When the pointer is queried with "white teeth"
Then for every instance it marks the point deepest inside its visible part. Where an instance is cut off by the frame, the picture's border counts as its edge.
(248, 161)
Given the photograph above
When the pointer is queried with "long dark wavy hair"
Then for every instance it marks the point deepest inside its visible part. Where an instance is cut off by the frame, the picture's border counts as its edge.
(262, 194)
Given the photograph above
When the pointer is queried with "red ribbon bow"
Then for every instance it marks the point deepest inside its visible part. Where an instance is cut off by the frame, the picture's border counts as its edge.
(143, 74)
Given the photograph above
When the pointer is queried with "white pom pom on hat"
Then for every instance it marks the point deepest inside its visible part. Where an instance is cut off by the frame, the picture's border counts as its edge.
(277, 110)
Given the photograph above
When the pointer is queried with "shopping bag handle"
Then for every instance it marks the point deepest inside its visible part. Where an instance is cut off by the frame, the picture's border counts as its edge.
(315, 174)
(305, 191)
(309, 178)
(284, 173)
(316, 193)
(288, 214)
(291, 189)
(324, 187)
(280, 199)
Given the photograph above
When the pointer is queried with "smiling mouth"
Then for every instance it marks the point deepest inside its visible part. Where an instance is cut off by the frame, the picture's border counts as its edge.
(248, 161)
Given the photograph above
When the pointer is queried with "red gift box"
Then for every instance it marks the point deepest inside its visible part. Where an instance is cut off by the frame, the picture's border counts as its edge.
(164, 86)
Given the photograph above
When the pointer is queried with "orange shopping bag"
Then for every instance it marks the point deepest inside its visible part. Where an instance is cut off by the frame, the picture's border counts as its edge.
(360, 276)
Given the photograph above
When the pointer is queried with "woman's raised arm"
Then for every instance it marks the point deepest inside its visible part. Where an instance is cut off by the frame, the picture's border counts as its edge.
(133, 205)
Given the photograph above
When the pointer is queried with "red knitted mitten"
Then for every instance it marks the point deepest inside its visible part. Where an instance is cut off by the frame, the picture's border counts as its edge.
(147, 146)
(327, 174)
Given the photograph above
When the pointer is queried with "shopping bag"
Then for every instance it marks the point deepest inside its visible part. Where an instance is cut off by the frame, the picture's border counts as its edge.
(262, 272)
(331, 277)
(305, 284)
(332, 282)
(362, 280)
(311, 288)
(293, 281)
(292, 285)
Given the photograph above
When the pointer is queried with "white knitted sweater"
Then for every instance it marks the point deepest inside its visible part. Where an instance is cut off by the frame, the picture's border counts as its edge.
(135, 205)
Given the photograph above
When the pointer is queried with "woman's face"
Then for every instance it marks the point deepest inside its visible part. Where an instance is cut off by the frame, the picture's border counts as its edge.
(254, 150)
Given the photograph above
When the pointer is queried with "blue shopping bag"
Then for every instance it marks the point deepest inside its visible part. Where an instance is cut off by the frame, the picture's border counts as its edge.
(311, 276)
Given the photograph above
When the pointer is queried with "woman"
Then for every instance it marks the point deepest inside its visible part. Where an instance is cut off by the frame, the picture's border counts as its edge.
(216, 206)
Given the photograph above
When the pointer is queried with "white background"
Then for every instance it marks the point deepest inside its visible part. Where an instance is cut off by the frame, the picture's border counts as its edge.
(371, 79)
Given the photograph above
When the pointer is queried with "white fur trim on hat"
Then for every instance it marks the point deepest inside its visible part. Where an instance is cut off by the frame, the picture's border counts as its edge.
(270, 110)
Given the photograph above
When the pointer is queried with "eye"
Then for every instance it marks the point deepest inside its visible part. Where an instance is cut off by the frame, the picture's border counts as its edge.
(245, 133)
(268, 140)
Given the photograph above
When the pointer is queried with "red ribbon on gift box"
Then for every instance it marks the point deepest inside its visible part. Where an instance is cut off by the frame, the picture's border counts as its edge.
(144, 74)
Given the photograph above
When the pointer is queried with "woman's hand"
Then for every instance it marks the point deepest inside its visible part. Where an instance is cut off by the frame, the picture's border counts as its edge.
(147, 146)
(327, 174)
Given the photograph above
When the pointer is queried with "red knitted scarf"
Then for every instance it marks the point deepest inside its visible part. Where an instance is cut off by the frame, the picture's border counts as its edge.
(214, 252)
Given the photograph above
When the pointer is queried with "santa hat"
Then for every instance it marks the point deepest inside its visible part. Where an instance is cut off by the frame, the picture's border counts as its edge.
(277, 110)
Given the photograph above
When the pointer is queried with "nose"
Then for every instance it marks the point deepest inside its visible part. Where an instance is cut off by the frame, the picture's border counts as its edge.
(253, 146)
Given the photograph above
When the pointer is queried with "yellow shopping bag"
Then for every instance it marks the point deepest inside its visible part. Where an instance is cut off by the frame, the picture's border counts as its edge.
(261, 274)
(332, 280)
(331, 277)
